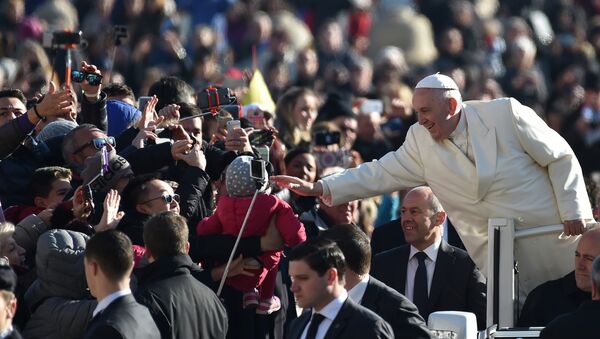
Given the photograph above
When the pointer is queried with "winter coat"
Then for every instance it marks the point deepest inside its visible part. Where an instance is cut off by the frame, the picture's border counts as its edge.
(180, 304)
(58, 301)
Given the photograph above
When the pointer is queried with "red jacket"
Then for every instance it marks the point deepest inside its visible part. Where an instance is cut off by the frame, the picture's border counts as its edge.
(231, 212)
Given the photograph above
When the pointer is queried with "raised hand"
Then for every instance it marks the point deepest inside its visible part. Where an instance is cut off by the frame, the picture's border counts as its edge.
(111, 214)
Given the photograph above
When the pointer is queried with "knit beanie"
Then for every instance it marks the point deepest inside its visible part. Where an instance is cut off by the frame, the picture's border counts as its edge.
(118, 168)
(238, 180)
(56, 128)
(120, 116)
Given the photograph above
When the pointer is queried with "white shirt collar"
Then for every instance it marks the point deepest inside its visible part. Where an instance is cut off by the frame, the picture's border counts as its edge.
(102, 304)
(357, 292)
(460, 127)
(331, 310)
(431, 251)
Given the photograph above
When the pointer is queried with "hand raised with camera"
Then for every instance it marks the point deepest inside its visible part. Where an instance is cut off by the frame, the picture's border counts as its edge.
(82, 207)
(111, 214)
(90, 91)
(238, 141)
(55, 102)
(194, 157)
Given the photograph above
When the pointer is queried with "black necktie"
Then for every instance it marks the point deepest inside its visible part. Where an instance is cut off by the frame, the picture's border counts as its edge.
(314, 326)
(420, 294)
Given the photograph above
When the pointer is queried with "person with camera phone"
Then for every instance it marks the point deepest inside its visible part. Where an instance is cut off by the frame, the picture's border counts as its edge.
(244, 176)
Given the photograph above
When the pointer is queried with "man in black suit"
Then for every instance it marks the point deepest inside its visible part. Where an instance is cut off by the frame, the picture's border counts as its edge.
(390, 235)
(371, 293)
(317, 270)
(181, 305)
(564, 295)
(583, 323)
(108, 264)
(431, 273)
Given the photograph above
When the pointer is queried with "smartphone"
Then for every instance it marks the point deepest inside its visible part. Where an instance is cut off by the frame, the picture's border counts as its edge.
(326, 138)
(232, 125)
(371, 106)
(258, 170)
(142, 102)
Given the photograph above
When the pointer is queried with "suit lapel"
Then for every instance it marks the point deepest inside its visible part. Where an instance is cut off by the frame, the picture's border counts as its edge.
(369, 299)
(483, 141)
(340, 321)
(403, 266)
(443, 265)
(302, 320)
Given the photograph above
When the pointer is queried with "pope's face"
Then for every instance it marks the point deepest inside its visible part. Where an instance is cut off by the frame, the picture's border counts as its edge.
(434, 113)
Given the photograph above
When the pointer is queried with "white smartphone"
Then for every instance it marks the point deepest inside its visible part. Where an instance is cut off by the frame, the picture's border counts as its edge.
(142, 102)
(231, 125)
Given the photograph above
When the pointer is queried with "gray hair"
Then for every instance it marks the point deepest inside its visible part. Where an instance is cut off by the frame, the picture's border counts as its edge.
(445, 94)
(596, 272)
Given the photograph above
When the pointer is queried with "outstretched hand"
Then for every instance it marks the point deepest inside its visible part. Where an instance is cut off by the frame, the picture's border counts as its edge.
(298, 185)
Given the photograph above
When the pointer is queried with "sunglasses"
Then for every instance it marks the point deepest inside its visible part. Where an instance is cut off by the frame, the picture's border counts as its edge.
(168, 198)
(98, 144)
(92, 78)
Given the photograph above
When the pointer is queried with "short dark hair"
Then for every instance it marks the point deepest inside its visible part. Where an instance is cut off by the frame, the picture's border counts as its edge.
(166, 234)
(118, 90)
(137, 189)
(13, 93)
(170, 90)
(355, 245)
(42, 179)
(113, 251)
(320, 254)
(188, 110)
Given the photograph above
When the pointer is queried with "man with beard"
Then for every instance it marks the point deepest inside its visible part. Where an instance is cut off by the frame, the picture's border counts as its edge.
(432, 274)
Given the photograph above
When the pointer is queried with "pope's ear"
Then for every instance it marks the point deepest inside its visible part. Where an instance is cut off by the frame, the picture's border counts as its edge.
(453, 105)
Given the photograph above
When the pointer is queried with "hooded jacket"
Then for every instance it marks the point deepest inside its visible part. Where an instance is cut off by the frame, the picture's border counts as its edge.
(58, 301)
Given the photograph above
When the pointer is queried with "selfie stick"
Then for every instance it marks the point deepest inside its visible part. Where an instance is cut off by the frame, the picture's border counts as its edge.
(68, 66)
(199, 115)
(237, 242)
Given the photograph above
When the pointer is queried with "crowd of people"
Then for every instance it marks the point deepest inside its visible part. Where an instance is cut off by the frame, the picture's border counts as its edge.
(358, 147)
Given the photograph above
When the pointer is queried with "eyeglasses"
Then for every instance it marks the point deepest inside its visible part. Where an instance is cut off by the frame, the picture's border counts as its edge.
(92, 78)
(168, 198)
(98, 143)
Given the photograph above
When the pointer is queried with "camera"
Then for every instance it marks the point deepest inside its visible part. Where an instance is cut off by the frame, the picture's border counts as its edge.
(339, 158)
(326, 138)
(61, 39)
(263, 137)
(215, 97)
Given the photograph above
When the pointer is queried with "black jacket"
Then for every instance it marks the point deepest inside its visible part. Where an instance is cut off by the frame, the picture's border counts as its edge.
(581, 324)
(124, 318)
(181, 305)
(457, 284)
(352, 322)
(551, 299)
(396, 309)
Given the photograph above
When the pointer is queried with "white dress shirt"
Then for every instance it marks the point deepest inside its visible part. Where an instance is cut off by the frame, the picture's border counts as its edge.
(413, 263)
(102, 304)
(357, 292)
(330, 311)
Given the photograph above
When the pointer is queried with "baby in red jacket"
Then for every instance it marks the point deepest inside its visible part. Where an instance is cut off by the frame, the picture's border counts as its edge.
(228, 218)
